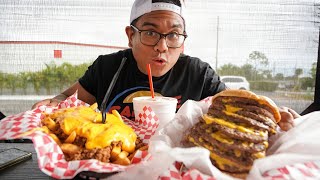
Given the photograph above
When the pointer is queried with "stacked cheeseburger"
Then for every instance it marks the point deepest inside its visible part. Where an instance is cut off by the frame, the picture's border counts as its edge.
(236, 129)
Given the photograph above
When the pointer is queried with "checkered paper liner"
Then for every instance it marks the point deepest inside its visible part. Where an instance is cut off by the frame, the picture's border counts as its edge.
(298, 171)
(309, 170)
(146, 125)
(179, 171)
(50, 157)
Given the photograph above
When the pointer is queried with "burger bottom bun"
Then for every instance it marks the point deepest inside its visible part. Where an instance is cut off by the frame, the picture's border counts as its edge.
(237, 175)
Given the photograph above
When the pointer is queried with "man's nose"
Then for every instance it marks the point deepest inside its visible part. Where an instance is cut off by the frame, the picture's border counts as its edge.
(161, 46)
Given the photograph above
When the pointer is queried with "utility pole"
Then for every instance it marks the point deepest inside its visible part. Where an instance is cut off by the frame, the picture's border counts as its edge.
(217, 43)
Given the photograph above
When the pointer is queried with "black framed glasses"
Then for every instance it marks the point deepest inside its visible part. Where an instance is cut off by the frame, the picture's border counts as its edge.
(151, 38)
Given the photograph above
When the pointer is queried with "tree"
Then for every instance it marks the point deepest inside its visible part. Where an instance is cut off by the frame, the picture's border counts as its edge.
(11, 82)
(23, 80)
(313, 71)
(267, 74)
(279, 77)
(53, 77)
(36, 79)
(257, 58)
(2, 82)
(247, 71)
(64, 74)
(49, 77)
(306, 82)
(229, 69)
(78, 71)
(297, 73)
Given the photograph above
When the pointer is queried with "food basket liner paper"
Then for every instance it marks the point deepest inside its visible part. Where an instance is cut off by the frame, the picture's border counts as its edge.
(50, 157)
(291, 155)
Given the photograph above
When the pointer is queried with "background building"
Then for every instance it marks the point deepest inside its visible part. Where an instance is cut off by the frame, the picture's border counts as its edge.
(31, 56)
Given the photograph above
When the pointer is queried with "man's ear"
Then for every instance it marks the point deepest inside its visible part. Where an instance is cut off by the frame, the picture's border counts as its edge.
(129, 33)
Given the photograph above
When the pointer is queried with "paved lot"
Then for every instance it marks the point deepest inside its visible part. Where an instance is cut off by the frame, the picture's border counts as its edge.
(10, 105)
(14, 107)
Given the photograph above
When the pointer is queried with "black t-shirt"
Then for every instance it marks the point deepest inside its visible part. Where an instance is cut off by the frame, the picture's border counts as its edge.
(190, 78)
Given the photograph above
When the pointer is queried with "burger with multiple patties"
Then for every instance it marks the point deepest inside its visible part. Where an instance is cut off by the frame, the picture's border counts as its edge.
(235, 130)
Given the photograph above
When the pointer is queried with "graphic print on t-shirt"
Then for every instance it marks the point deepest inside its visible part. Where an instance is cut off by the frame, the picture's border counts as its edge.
(123, 101)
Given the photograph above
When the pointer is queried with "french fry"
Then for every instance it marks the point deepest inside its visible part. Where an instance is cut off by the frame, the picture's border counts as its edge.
(55, 138)
(143, 148)
(123, 154)
(122, 159)
(71, 137)
(45, 129)
(116, 113)
(116, 150)
(94, 106)
(51, 124)
(130, 157)
(70, 148)
(56, 114)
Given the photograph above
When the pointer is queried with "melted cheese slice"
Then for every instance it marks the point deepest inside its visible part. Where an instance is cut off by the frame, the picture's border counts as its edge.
(260, 154)
(228, 124)
(219, 160)
(232, 109)
(237, 152)
(222, 138)
(208, 119)
(86, 123)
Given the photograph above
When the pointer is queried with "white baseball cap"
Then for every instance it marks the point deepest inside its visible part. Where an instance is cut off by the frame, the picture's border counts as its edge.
(141, 7)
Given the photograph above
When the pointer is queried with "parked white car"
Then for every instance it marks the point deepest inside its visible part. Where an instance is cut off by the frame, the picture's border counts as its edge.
(235, 82)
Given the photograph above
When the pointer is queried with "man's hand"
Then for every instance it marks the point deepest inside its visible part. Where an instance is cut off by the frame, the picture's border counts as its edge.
(47, 102)
(83, 95)
(287, 117)
(50, 102)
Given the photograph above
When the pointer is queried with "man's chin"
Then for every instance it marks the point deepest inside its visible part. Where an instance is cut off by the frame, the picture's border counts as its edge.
(159, 73)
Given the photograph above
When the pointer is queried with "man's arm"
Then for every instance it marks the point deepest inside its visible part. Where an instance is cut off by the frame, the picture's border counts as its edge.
(82, 95)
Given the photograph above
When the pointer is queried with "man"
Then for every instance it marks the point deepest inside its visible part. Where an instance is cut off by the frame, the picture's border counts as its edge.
(156, 36)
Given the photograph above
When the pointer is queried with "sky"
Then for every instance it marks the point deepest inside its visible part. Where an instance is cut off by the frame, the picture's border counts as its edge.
(284, 30)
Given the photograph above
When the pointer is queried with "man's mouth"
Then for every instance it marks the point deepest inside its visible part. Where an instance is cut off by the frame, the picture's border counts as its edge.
(160, 61)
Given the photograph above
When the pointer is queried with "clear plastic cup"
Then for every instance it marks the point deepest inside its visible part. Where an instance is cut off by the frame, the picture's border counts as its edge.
(163, 107)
